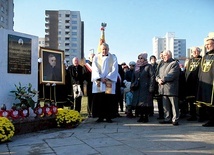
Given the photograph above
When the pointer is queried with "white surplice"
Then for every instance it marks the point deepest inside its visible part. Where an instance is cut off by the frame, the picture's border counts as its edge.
(104, 67)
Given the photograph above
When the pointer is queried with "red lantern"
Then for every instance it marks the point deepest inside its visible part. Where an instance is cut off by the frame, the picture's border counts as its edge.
(38, 111)
(4, 112)
(53, 108)
(14, 113)
(47, 110)
(24, 112)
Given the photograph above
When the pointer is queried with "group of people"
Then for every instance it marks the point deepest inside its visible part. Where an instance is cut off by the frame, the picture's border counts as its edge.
(143, 82)
(173, 86)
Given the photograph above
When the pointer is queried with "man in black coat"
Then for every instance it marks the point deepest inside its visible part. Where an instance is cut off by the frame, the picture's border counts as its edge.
(191, 74)
(168, 83)
(205, 95)
(75, 74)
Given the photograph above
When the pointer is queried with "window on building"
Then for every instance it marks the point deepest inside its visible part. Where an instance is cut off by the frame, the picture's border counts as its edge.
(67, 44)
(2, 19)
(67, 15)
(74, 27)
(73, 45)
(73, 39)
(60, 15)
(66, 50)
(74, 22)
(67, 27)
(74, 33)
(74, 50)
(67, 21)
(67, 54)
(59, 32)
(67, 38)
(74, 16)
(67, 32)
(2, 8)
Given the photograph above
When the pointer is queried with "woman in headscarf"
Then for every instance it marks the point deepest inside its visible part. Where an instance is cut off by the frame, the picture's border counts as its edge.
(142, 96)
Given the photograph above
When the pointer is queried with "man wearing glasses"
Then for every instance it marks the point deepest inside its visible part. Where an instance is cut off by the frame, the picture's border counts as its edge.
(52, 72)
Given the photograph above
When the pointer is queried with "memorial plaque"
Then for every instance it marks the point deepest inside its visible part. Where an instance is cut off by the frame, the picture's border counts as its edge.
(19, 54)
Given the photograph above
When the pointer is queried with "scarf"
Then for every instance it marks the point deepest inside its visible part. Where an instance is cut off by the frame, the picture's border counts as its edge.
(139, 64)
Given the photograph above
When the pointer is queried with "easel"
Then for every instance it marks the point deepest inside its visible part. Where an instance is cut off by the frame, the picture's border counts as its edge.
(51, 93)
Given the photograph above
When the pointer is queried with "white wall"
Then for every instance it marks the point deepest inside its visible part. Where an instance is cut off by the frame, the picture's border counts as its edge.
(7, 80)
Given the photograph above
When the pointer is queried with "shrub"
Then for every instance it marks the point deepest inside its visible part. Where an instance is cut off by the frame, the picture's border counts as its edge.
(68, 118)
(7, 129)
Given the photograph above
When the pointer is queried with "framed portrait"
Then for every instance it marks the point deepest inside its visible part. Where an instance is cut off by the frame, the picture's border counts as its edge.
(52, 69)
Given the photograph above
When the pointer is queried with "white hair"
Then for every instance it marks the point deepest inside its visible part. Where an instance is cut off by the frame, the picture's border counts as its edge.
(168, 52)
(105, 44)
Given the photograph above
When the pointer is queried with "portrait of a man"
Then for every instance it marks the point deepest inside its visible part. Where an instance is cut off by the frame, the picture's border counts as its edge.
(52, 66)
(52, 71)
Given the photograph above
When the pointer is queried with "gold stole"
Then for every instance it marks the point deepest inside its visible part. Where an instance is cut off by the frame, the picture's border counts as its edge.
(206, 64)
(100, 65)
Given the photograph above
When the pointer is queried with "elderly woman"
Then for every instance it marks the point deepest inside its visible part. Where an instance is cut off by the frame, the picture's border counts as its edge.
(142, 96)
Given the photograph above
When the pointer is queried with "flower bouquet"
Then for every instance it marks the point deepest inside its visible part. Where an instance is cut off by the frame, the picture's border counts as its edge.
(7, 129)
(68, 118)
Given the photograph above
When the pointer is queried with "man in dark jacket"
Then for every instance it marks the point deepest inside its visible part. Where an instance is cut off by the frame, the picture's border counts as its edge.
(168, 81)
(154, 64)
(205, 95)
(191, 74)
(75, 74)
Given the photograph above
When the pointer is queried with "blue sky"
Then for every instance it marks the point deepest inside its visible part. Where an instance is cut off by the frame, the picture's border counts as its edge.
(131, 24)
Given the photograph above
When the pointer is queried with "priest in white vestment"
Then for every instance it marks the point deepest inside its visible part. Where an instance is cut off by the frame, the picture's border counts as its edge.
(104, 78)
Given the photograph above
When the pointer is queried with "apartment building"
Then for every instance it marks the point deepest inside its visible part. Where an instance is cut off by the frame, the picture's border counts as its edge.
(6, 14)
(41, 42)
(64, 31)
(169, 42)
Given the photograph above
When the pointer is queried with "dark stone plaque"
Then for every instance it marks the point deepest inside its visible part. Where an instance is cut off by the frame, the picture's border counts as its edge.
(19, 54)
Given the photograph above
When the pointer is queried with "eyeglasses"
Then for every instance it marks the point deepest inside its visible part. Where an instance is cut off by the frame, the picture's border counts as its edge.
(140, 58)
